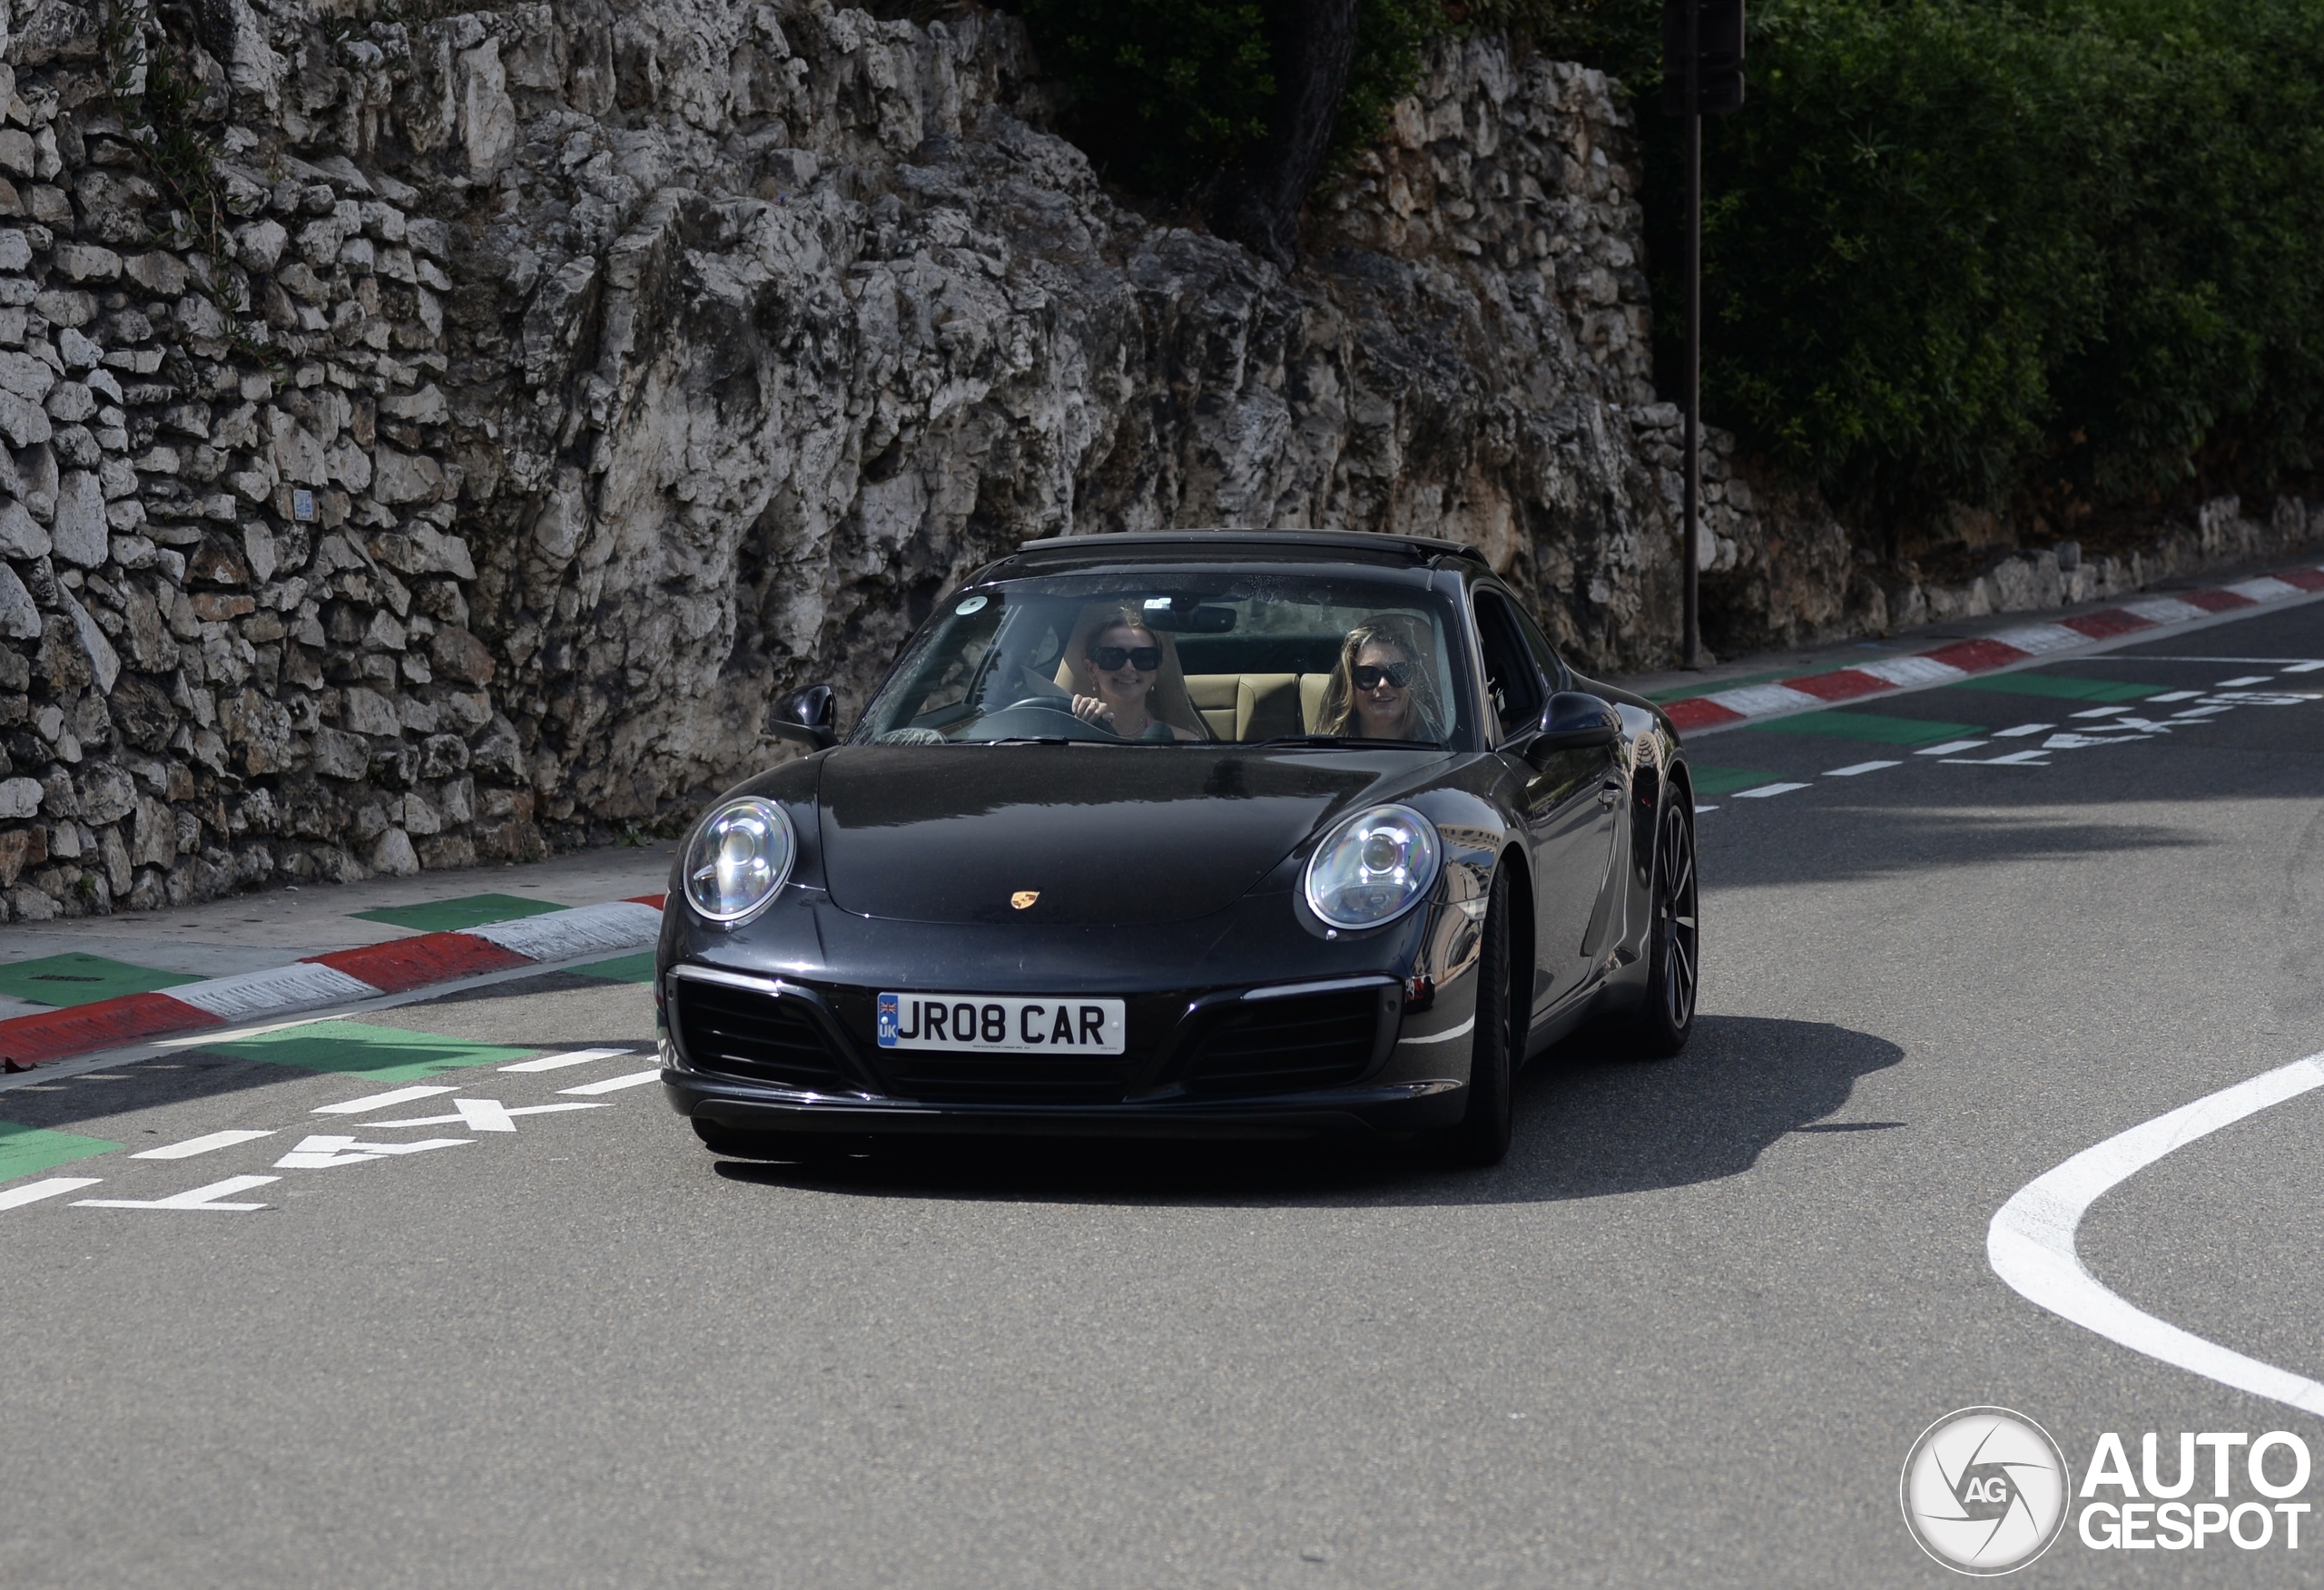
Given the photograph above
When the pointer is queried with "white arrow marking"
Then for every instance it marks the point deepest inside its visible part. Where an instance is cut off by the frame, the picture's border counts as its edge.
(497, 1113)
(2030, 1242)
(402, 1095)
(200, 1198)
(615, 1083)
(320, 1153)
(559, 1062)
(32, 1192)
(194, 1145)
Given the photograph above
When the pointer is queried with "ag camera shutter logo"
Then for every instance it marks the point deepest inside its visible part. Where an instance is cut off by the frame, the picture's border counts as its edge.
(1984, 1491)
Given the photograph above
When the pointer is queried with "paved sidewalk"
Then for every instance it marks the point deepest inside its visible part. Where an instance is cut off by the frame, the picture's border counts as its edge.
(71, 986)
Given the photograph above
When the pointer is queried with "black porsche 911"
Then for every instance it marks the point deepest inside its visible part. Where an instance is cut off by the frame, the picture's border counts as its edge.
(1192, 833)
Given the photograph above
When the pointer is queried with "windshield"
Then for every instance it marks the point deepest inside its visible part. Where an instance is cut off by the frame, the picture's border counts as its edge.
(1178, 656)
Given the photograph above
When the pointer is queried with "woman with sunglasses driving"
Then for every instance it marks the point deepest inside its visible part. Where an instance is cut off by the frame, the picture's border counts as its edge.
(1379, 691)
(1119, 667)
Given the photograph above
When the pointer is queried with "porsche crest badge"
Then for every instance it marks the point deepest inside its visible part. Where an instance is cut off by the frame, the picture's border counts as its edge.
(1024, 898)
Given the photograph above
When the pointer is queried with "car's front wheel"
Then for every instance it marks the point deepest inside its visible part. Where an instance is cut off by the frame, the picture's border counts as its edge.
(1483, 1136)
(1674, 939)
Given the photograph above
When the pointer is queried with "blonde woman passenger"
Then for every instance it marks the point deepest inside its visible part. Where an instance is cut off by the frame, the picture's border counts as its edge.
(1380, 688)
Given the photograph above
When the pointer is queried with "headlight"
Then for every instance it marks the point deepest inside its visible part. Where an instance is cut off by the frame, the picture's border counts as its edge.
(739, 857)
(1373, 867)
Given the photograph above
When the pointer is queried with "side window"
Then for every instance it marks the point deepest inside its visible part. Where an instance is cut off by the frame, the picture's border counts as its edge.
(1545, 655)
(1511, 677)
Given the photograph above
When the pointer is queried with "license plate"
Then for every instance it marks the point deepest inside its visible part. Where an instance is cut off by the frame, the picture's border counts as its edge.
(999, 1025)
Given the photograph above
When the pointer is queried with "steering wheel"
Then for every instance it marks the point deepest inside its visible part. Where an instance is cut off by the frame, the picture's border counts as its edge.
(1038, 718)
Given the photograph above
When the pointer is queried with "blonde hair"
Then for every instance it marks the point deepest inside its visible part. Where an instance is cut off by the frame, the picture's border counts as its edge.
(1337, 710)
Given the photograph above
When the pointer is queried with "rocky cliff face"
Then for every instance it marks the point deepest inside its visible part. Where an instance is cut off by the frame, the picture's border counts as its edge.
(428, 441)
(461, 461)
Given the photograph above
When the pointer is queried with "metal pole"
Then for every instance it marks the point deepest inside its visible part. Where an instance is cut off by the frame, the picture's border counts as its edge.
(1690, 626)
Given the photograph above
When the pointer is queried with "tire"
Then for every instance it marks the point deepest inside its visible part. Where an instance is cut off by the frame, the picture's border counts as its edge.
(1674, 939)
(1482, 1138)
(801, 1148)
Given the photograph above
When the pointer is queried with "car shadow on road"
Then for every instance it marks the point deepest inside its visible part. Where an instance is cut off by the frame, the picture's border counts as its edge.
(1590, 1125)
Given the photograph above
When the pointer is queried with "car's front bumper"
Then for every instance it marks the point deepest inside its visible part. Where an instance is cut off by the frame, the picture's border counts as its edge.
(1394, 1110)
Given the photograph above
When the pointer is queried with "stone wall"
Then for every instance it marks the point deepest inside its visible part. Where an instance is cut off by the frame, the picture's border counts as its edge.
(526, 397)
(457, 462)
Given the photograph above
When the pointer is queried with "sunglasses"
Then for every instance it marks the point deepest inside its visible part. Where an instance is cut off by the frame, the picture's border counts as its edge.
(1367, 676)
(1145, 658)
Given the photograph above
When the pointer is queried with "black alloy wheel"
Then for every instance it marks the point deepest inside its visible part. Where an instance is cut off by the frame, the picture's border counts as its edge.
(1673, 937)
(1483, 1136)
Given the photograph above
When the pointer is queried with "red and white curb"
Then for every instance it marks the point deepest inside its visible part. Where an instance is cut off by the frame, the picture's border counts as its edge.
(2006, 649)
(341, 977)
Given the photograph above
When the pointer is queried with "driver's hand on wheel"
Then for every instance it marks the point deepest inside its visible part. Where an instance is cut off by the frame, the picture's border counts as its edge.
(1090, 709)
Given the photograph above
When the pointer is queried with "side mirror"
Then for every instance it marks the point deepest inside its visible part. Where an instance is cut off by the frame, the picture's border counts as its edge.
(807, 717)
(1575, 721)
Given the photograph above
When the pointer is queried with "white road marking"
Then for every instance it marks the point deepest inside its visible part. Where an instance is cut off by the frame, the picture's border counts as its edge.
(559, 1062)
(2021, 729)
(302, 985)
(2038, 638)
(640, 1078)
(2210, 711)
(1764, 791)
(1706, 808)
(1903, 671)
(194, 1145)
(1853, 769)
(2016, 759)
(402, 1095)
(2079, 742)
(2165, 610)
(321, 1153)
(199, 1198)
(2246, 679)
(1949, 746)
(1758, 700)
(472, 1119)
(2100, 712)
(2305, 667)
(1444, 1037)
(557, 936)
(2171, 696)
(34, 1192)
(2265, 588)
(2030, 1240)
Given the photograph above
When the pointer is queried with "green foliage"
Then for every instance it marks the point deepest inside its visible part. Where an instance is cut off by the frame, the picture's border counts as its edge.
(1166, 93)
(1969, 250)
(154, 95)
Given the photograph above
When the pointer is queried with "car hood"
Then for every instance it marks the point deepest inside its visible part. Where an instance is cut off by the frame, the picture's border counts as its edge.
(1100, 834)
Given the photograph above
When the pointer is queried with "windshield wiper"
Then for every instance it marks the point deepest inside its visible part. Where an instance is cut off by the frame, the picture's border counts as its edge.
(1350, 742)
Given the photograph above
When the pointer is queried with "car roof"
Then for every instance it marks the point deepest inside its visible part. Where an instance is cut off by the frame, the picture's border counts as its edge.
(1322, 545)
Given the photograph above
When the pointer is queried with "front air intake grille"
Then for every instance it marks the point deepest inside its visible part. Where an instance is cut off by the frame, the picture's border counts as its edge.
(1282, 1045)
(936, 1078)
(739, 1032)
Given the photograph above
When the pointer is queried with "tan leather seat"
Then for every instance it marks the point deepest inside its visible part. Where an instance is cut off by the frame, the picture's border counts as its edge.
(1247, 707)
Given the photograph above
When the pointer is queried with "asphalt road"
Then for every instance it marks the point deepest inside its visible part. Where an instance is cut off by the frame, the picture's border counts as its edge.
(1684, 1336)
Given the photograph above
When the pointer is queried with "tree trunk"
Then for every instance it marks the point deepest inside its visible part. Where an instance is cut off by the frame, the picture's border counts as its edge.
(1260, 195)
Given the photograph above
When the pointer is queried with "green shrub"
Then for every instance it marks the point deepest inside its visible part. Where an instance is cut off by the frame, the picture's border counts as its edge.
(1957, 249)
(1166, 93)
